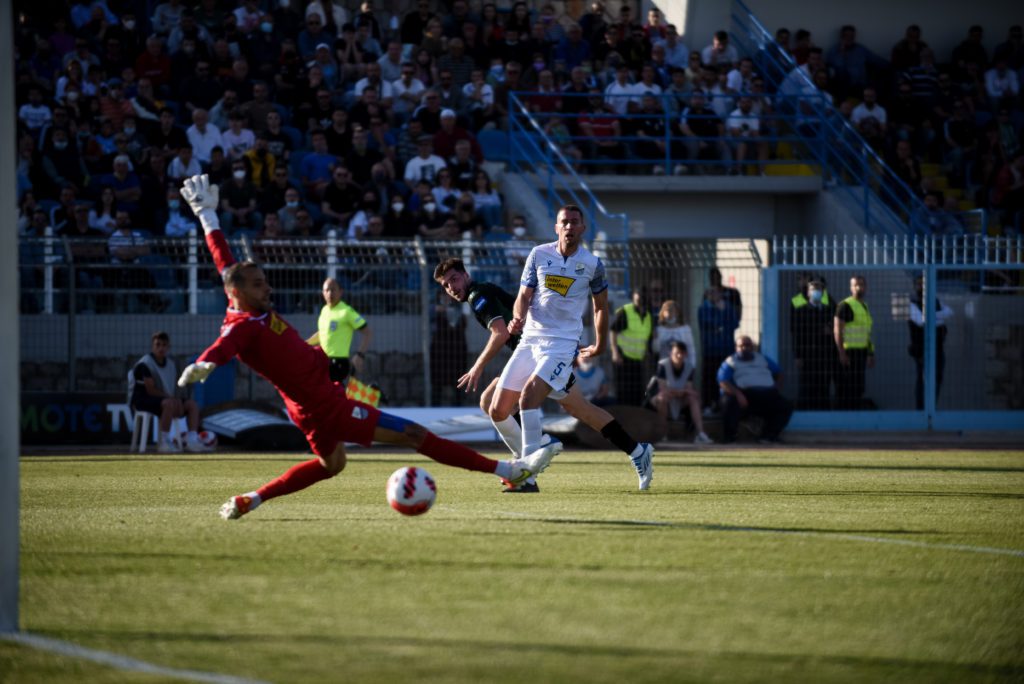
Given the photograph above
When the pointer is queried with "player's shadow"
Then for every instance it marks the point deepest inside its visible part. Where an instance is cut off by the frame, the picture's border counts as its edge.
(718, 527)
(663, 463)
(845, 492)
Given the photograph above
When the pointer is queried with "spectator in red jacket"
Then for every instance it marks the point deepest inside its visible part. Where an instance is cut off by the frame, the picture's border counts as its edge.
(450, 133)
(154, 63)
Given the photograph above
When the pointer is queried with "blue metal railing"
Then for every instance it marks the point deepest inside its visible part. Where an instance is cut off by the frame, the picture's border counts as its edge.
(532, 151)
(663, 147)
(849, 163)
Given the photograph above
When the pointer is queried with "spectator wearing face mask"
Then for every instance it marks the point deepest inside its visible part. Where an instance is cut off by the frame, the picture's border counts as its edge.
(399, 221)
(431, 223)
(814, 349)
(289, 213)
(179, 218)
(593, 383)
(238, 201)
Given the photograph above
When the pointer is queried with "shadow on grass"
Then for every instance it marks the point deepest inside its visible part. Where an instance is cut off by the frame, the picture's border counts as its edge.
(521, 648)
(662, 463)
(136, 555)
(830, 493)
(717, 527)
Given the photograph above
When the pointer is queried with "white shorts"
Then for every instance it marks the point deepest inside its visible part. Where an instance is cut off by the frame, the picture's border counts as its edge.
(548, 359)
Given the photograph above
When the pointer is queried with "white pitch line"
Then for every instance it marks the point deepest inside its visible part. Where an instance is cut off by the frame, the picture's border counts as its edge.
(726, 528)
(121, 662)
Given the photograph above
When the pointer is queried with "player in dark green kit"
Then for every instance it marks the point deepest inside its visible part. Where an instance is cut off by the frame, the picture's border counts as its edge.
(492, 308)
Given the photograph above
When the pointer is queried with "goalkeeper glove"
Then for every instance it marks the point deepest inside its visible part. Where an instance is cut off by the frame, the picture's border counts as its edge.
(202, 197)
(196, 372)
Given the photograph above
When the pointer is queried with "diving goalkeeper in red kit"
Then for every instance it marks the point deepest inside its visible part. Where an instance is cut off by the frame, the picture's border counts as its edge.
(265, 342)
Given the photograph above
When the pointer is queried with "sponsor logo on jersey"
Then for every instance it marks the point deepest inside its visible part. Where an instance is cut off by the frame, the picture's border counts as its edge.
(580, 268)
(359, 413)
(479, 303)
(225, 329)
(559, 284)
(277, 326)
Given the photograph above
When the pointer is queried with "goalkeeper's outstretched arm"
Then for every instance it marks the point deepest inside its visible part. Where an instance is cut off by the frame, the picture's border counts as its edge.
(203, 198)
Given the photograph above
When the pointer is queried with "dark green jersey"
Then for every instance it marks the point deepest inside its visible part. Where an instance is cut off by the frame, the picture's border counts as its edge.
(488, 301)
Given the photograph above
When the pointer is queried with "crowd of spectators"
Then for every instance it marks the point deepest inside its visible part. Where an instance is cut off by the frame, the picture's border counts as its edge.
(326, 116)
(962, 111)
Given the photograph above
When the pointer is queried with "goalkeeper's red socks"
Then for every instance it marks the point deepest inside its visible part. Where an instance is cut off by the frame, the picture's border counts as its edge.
(299, 476)
(454, 454)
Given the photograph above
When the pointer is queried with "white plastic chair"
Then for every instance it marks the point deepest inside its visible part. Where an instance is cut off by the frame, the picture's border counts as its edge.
(141, 429)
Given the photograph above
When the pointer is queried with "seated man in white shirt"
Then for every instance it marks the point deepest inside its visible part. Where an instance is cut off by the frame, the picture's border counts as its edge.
(407, 91)
(869, 109)
(750, 383)
(1001, 82)
(744, 128)
(183, 166)
(720, 52)
(203, 136)
(619, 92)
(425, 165)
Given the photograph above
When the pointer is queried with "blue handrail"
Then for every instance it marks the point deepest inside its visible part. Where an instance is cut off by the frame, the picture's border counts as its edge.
(844, 149)
(531, 149)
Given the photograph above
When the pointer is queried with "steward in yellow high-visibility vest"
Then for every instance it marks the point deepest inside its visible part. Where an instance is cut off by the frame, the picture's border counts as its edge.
(852, 331)
(631, 332)
(633, 339)
(335, 328)
(799, 300)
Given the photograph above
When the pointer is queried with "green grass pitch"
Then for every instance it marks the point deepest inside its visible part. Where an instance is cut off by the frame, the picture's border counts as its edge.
(791, 565)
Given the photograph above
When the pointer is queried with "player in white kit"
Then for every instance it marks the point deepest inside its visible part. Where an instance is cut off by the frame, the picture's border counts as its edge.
(558, 279)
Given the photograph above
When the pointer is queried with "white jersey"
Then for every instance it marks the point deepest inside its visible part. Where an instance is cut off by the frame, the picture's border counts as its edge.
(561, 288)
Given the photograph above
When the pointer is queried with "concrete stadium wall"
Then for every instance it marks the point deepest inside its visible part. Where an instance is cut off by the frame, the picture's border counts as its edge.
(713, 206)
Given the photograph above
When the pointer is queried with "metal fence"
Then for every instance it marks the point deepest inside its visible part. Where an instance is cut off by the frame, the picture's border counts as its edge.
(80, 335)
(961, 368)
(85, 319)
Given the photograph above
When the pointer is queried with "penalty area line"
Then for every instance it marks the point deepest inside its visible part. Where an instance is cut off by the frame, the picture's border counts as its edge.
(120, 662)
(803, 533)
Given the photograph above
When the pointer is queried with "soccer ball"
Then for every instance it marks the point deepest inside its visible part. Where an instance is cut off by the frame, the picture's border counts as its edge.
(208, 438)
(411, 491)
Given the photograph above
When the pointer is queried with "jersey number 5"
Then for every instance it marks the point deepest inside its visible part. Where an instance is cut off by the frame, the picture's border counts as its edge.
(558, 370)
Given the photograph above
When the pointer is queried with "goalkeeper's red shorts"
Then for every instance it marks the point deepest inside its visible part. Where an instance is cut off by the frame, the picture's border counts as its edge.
(350, 421)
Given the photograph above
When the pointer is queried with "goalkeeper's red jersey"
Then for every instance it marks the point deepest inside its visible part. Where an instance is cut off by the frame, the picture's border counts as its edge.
(274, 349)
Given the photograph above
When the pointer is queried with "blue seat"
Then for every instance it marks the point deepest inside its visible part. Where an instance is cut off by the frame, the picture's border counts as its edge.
(525, 146)
(494, 145)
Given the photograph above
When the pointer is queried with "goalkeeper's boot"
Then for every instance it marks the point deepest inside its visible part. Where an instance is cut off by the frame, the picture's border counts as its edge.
(642, 462)
(528, 487)
(237, 506)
